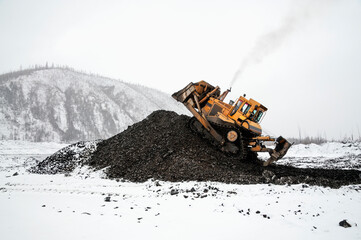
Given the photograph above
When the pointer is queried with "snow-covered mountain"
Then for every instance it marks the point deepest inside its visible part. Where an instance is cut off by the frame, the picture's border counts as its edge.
(64, 105)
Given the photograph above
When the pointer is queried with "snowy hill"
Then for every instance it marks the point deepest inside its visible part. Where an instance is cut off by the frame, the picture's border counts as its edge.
(64, 105)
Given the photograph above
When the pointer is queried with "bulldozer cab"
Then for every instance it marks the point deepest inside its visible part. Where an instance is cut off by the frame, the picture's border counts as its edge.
(247, 109)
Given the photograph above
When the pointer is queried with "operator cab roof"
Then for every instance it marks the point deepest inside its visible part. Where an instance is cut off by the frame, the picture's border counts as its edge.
(254, 103)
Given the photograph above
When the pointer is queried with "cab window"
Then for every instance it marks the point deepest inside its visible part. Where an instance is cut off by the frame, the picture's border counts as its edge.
(238, 104)
(258, 116)
(253, 113)
(245, 108)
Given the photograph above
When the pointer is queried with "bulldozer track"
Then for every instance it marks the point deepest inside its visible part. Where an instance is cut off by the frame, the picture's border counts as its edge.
(244, 138)
(241, 143)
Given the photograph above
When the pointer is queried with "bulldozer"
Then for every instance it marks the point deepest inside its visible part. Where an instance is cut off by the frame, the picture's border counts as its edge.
(235, 127)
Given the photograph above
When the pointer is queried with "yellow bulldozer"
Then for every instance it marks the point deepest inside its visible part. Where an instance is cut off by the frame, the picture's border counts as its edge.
(235, 127)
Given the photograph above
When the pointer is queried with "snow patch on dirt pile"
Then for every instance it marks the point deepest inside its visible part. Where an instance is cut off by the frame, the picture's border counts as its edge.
(66, 159)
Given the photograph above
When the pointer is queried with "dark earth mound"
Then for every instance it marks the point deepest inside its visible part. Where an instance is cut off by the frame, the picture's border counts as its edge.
(66, 159)
(163, 147)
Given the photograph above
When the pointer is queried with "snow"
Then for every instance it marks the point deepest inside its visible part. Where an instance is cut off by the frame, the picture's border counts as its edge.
(16, 147)
(327, 155)
(327, 150)
(36, 206)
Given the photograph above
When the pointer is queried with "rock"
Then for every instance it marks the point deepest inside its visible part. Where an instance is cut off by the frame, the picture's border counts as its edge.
(107, 199)
(232, 192)
(344, 224)
(174, 192)
(269, 175)
(15, 174)
(283, 180)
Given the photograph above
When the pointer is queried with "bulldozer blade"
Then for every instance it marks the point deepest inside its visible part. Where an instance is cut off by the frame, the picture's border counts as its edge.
(269, 161)
(183, 94)
(281, 149)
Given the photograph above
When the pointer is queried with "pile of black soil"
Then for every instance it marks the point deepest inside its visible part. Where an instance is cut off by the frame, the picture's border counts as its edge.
(66, 159)
(163, 147)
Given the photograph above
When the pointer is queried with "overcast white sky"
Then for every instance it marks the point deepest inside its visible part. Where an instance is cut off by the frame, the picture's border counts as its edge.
(301, 59)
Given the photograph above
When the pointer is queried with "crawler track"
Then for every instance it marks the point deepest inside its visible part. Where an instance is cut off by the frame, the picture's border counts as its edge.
(237, 148)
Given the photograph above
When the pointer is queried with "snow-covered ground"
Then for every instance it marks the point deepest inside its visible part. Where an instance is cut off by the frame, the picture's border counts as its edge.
(335, 155)
(85, 206)
(16, 147)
